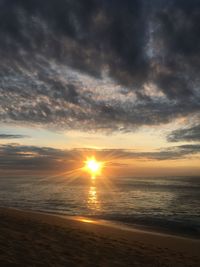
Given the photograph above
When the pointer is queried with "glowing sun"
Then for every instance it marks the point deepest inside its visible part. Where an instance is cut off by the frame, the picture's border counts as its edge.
(93, 166)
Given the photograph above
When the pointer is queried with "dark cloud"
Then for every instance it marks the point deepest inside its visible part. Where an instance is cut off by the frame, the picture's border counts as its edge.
(171, 153)
(95, 64)
(12, 136)
(84, 35)
(30, 158)
(178, 32)
(180, 20)
(186, 134)
(45, 159)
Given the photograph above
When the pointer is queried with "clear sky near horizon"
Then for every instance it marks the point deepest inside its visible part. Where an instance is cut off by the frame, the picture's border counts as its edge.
(114, 79)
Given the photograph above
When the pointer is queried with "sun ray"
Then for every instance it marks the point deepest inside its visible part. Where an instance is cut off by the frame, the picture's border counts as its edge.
(93, 166)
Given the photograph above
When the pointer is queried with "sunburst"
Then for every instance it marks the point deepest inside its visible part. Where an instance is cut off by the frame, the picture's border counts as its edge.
(93, 166)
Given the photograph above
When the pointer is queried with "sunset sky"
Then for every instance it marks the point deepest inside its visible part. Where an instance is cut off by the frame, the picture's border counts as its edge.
(110, 78)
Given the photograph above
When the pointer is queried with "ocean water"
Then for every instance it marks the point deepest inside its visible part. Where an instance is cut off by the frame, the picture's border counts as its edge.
(170, 203)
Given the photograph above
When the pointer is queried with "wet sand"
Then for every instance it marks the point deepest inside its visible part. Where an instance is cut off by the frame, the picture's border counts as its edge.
(38, 239)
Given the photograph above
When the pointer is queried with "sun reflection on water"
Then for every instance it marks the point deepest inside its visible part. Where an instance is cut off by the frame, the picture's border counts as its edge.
(93, 202)
(85, 220)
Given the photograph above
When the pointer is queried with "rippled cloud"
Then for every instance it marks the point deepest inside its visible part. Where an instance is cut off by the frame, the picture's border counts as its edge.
(186, 134)
(99, 65)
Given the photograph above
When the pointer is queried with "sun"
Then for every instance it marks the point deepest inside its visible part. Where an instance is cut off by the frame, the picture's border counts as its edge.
(93, 166)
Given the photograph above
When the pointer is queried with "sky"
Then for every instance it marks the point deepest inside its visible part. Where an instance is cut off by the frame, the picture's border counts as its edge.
(115, 79)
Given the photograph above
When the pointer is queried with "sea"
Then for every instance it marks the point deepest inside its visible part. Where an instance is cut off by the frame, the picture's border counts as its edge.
(167, 203)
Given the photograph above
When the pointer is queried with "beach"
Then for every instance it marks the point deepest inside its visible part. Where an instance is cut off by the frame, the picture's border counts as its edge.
(39, 239)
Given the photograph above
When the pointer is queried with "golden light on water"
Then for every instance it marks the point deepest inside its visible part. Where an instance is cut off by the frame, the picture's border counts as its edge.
(86, 220)
(93, 166)
(93, 202)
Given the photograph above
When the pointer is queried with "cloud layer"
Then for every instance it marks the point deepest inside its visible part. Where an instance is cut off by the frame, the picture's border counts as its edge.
(12, 136)
(187, 134)
(99, 65)
(46, 159)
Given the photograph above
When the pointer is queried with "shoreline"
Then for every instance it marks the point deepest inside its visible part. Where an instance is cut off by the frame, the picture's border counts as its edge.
(56, 236)
(158, 230)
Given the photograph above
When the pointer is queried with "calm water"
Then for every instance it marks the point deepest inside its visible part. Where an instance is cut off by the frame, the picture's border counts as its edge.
(169, 203)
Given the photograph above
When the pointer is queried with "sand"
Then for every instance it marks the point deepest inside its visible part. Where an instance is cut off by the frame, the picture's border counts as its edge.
(37, 239)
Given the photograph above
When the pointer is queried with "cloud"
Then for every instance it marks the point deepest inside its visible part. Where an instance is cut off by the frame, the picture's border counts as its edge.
(85, 36)
(46, 160)
(12, 136)
(98, 65)
(186, 134)
(170, 153)
(30, 158)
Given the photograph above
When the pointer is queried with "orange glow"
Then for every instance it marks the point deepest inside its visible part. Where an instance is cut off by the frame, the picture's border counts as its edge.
(93, 202)
(86, 220)
(93, 166)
